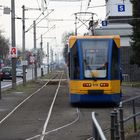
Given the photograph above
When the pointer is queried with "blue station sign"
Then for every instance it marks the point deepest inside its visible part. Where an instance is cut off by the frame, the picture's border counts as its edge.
(121, 8)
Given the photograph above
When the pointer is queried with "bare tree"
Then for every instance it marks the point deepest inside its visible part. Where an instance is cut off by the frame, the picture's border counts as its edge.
(4, 47)
(65, 39)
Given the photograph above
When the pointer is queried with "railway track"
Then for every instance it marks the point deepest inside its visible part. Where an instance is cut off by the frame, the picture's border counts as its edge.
(31, 113)
(47, 115)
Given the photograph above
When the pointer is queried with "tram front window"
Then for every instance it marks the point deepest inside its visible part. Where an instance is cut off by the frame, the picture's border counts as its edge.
(95, 58)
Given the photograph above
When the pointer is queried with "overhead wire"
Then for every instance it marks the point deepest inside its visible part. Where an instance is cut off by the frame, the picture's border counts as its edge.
(31, 26)
(46, 31)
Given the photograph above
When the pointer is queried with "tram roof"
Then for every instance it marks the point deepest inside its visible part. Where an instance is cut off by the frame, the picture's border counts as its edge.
(74, 38)
(86, 37)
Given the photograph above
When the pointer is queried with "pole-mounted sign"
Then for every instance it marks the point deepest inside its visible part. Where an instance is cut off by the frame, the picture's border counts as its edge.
(13, 52)
(6, 10)
(104, 23)
(121, 8)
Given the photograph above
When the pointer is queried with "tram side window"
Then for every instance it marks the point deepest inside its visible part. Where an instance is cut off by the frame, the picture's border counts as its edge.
(74, 65)
(115, 63)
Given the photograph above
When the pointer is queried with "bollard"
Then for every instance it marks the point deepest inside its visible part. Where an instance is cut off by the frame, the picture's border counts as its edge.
(112, 125)
(42, 73)
(116, 125)
(134, 118)
(121, 123)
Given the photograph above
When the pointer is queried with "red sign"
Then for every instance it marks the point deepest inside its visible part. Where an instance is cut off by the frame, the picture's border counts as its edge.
(13, 52)
(32, 59)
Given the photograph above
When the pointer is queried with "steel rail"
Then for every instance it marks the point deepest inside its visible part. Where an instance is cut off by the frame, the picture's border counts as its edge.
(50, 111)
(21, 103)
(59, 128)
(44, 132)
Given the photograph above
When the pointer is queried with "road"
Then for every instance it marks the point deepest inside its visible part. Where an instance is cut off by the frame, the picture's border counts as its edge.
(29, 76)
(66, 122)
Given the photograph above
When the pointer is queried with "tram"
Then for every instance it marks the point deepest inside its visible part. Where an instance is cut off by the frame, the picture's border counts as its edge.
(94, 69)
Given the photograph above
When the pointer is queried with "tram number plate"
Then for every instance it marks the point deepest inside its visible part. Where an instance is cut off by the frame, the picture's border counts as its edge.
(95, 92)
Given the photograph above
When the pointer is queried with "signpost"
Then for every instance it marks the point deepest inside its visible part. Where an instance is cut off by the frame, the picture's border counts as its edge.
(6, 10)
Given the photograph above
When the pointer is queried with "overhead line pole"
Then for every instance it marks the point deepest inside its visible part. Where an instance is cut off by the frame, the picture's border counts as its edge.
(41, 47)
(23, 43)
(48, 57)
(35, 70)
(13, 39)
(75, 24)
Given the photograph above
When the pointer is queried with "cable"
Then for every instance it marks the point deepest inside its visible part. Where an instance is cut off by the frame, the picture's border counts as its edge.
(47, 31)
(31, 26)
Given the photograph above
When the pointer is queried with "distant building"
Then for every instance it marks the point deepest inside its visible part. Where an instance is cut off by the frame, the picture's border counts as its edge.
(118, 17)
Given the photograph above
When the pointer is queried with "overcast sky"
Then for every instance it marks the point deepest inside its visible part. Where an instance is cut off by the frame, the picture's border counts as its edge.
(62, 10)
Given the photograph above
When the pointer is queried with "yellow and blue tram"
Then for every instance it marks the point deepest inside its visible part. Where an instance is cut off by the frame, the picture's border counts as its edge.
(94, 69)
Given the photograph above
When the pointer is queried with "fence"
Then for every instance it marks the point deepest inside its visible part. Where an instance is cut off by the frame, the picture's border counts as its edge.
(118, 121)
(117, 130)
(126, 77)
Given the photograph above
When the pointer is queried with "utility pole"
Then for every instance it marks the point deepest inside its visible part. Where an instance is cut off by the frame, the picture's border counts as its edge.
(41, 47)
(0, 79)
(13, 39)
(41, 43)
(51, 58)
(35, 70)
(75, 24)
(93, 27)
(23, 44)
(48, 57)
